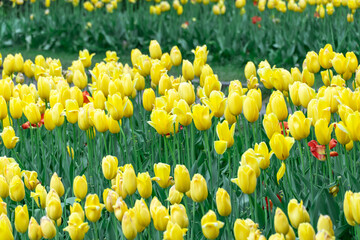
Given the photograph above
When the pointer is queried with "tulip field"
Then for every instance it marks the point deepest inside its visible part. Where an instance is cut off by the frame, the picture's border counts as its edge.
(111, 150)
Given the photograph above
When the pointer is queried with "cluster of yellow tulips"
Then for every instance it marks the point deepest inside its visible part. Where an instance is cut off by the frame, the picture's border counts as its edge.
(112, 111)
(219, 8)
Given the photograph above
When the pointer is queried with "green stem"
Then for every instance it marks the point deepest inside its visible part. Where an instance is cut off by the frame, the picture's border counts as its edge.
(310, 168)
(253, 131)
(301, 158)
(328, 161)
(187, 147)
(347, 165)
(104, 139)
(96, 232)
(166, 150)
(206, 142)
(245, 131)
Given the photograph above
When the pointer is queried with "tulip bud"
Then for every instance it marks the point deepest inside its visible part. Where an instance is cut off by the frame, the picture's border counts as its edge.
(148, 99)
(48, 120)
(182, 178)
(34, 230)
(202, 117)
(223, 202)
(19, 63)
(250, 70)
(76, 208)
(198, 188)
(175, 56)
(21, 218)
(109, 198)
(142, 213)
(155, 50)
(246, 179)
(32, 113)
(178, 215)
(76, 227)
(271, 125)
(47, 228)
(80, 79)
(297, 213)
(175, 196)
(128, 226)
(188, 70)
(80, 187)
(306, 231)
(5, 228)
(39, 196)
(144, 185)
(53, 205)
(15, 108)
(30, 179)
(325, 223)
(250, 108)
(57, 185)
(323, 131)
(160, 217)
(312, 62)
(281, 222)
(9, 138)
(120, 208)
(109, 166)
(93, 208)
(186, 92)
(16, 189)
(281, 145)
(129, 179)
(162, 175)
(210, 226)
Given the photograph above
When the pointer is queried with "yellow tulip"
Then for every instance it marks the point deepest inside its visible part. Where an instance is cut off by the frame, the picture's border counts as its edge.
(80, 187)
(39, 196)
(243, 228)
(30, 179)
(281, 222)
(165, 84)
(235, 103)
(183, 113)
(9, 138)
(352, 62)
(162, 175)
(198, 188)
(339, 63)
(57, 114)
(294, 93)
(80, 79)
(206, 71)
(48, 120)
(211, 83)
(21, 218)
(142, 214)
(263, 150)
(326, 55)
(308, 77)
(109, 166)
(32, 113)
(252, 159)
(198, 65)
(120, 208)
(148, 99)
(47, 228)
(3, 207)
(175, 56)
(53, 205)
(223, 202)
(57, 185)
(128, 226)
(174, 231)
(86, 57)
(348, 208)
(249, 70)
(93, 208)
(182, 178)
(323, 131)
(305, 94)
(277, 105)
(326, 77)
(187, 70)
(174, 196)
(144, 185)
(312, 62)
(109, 198)
(281, 145)
(76, 228)
(317, 109)
(202, 117)
(353, 125)
(325, 224)
(250, 108)
(306, 231)
(281, 172)
(72, 109)
(34, 230)
(225, 134)
(299, 126)
(297, 213)
(15, 108)
(19, 63)
(129, 179)
(160, 217)
(77, 208)
(296, 74)
(155, 49)
(16, 189)
(186, 92)
(162, 121)
(271, 124)
(178, 215)
(342, 134)
(210, 225)
(246, 179)
(5, 228)
(216, 103)
(139, 82)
